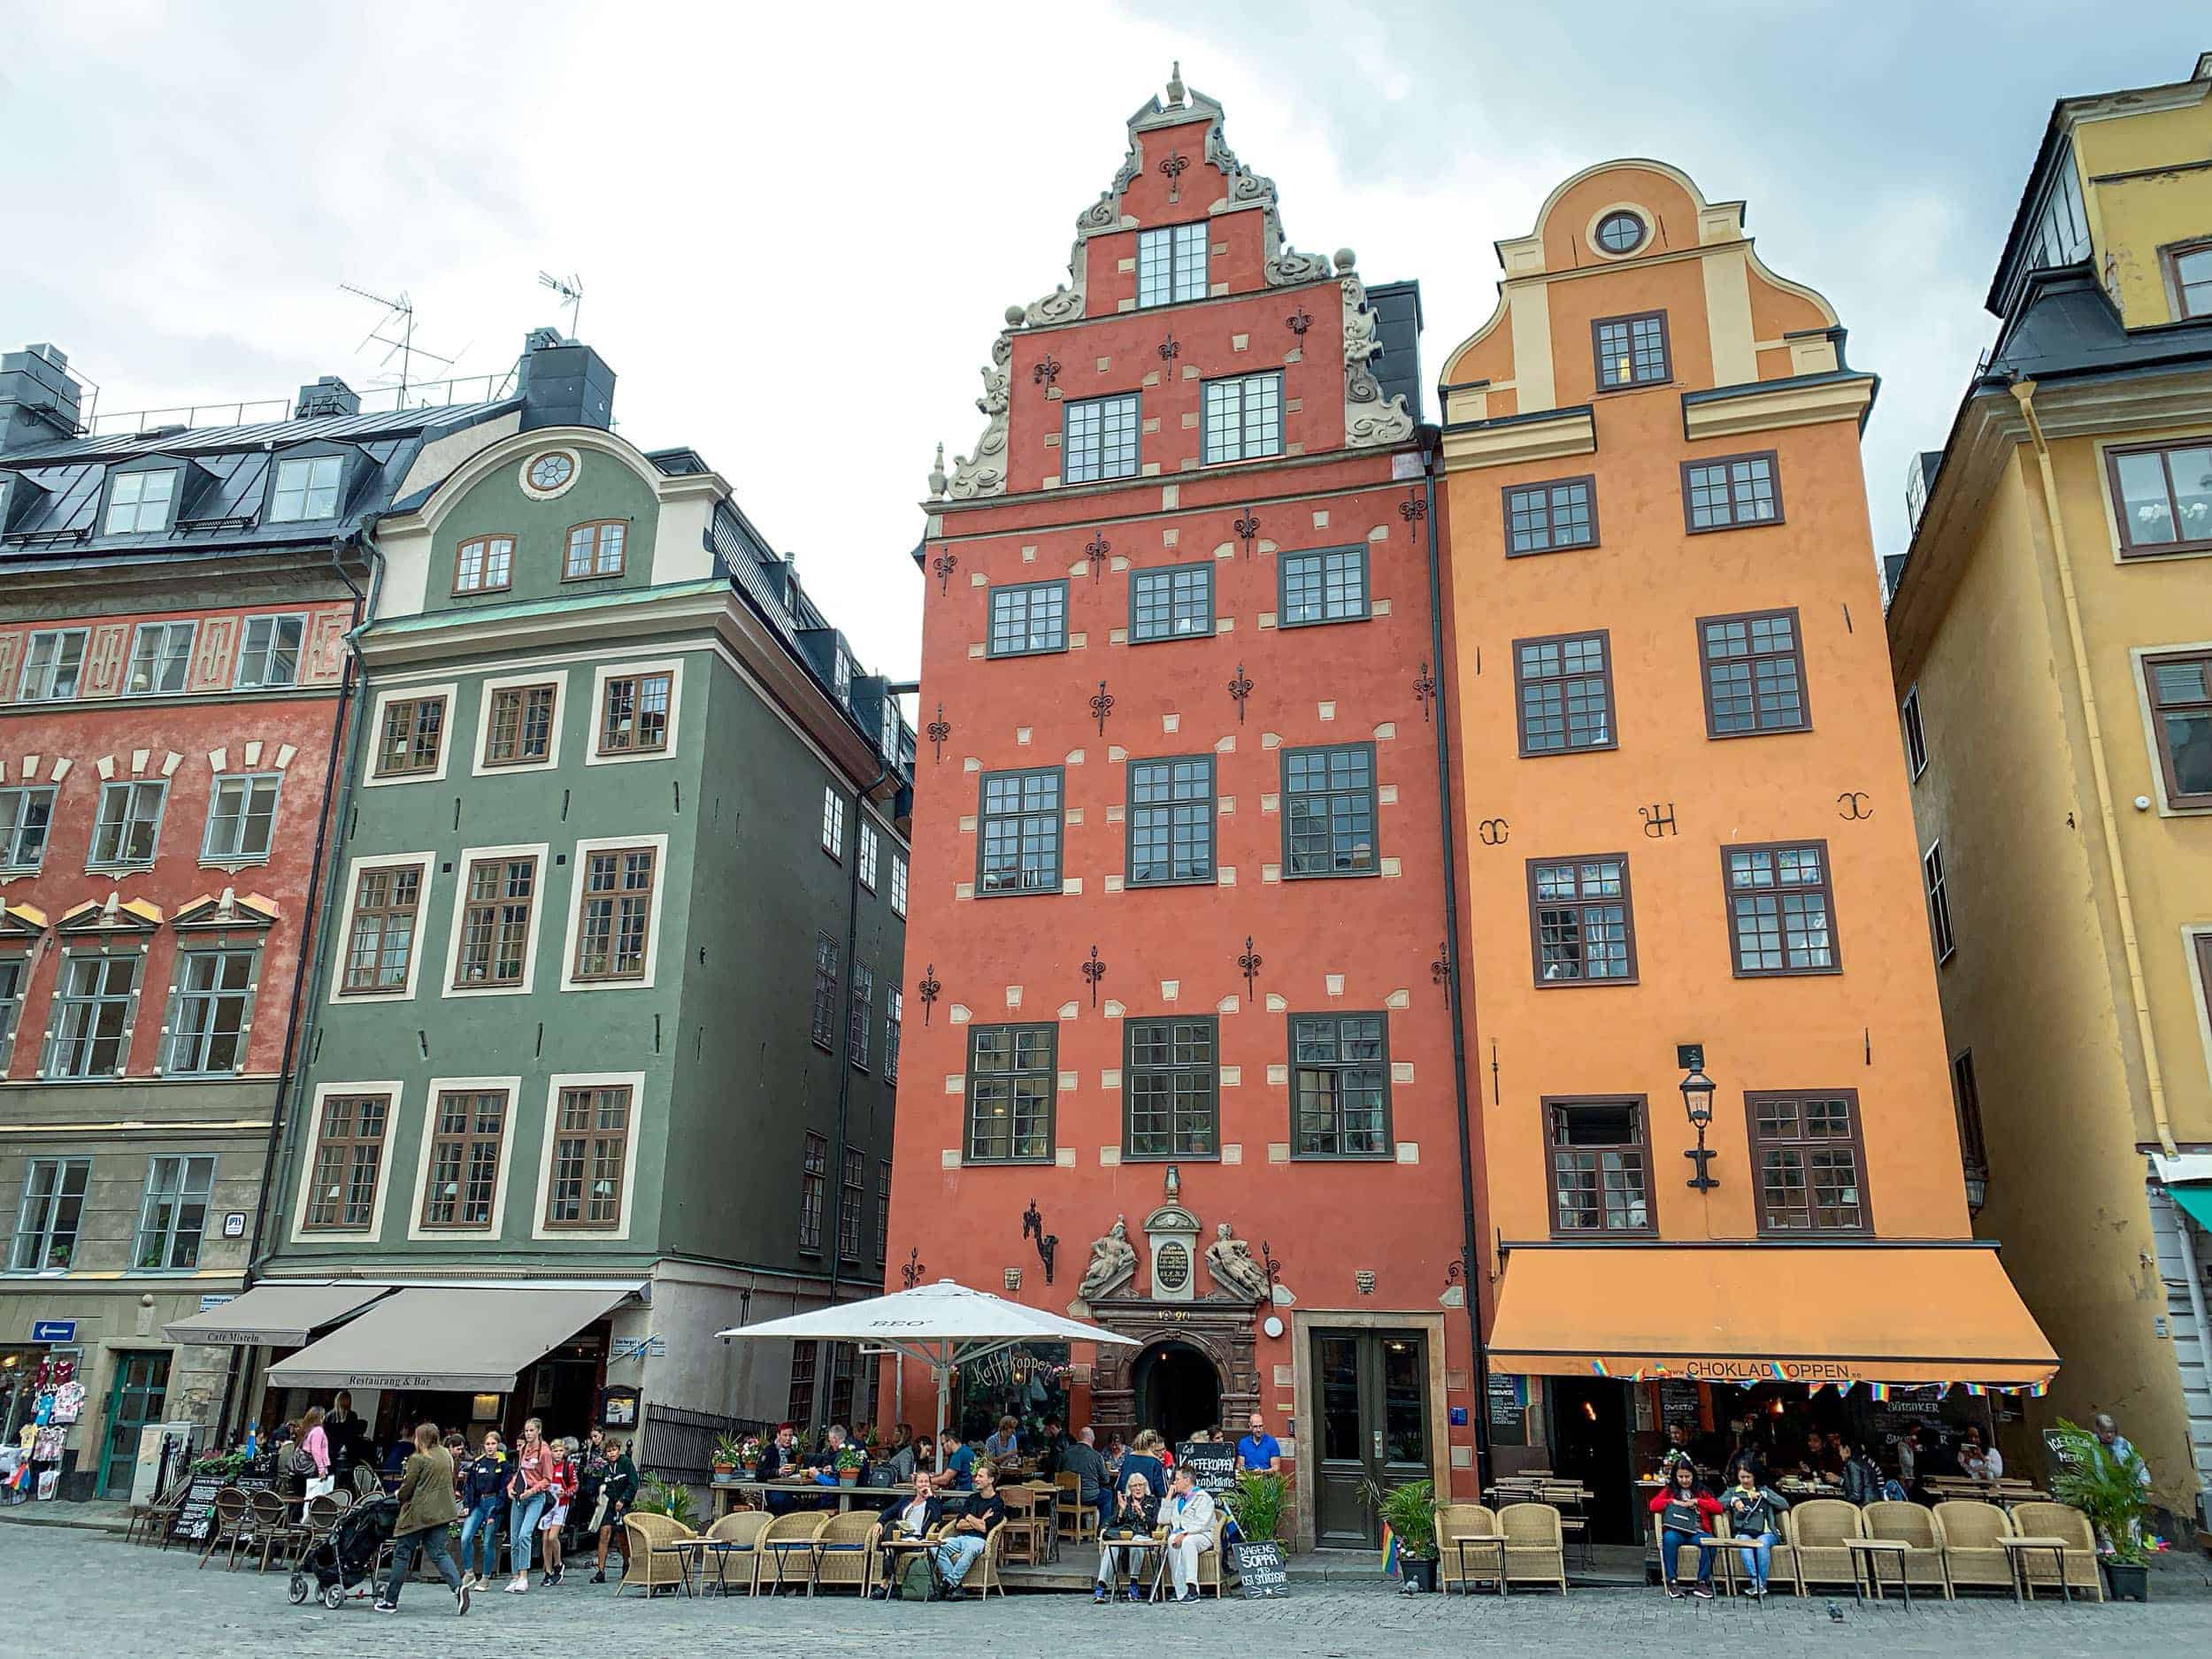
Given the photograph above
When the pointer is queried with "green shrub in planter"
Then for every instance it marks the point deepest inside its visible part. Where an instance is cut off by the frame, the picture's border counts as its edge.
(2110, 1492)
(656, 1496)
(1256, 1504)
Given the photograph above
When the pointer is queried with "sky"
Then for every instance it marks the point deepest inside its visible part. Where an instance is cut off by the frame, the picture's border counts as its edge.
(798, 227)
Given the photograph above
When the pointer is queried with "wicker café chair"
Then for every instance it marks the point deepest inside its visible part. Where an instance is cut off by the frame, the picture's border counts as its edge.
(650, 1564)
(1972, 1557)
(983, 1577)
(742, 1532)
(1535, 1545)
(845, 1551)
(226, 1523)
(1817, 1528)
(1915, 1525)
(785, 1538)
(1464, 1520)
(2058, 1520)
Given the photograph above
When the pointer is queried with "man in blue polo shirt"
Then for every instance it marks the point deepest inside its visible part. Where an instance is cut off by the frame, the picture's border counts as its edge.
(957, 1470)
(1257, 1451)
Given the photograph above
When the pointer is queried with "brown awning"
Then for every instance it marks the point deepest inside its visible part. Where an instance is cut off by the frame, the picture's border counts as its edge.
(460, 1341)
(281, 1316)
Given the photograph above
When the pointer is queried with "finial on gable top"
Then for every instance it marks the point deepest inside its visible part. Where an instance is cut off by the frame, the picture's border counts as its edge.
(937, 475)
(1175, 83)
(1345, 260)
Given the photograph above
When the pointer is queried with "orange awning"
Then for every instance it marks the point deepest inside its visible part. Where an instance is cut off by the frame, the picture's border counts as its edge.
(1764, 1312)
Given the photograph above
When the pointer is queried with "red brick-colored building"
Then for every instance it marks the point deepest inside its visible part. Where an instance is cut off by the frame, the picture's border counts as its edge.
(1177, 925)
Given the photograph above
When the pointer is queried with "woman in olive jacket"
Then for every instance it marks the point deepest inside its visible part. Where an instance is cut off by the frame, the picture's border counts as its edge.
(426, 1508)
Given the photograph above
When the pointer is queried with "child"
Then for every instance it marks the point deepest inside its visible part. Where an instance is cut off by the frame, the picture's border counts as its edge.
(560, 1494)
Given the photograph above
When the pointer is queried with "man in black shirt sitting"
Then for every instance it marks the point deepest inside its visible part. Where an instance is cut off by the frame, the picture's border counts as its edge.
(970, 1532)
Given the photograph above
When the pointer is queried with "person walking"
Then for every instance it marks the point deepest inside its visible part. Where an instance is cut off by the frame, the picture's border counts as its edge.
(559, 1494)
(617, 1493)
(591, 1475)
(316, 1444)
(426, 1509)
(483, 1494)
(529, 1480)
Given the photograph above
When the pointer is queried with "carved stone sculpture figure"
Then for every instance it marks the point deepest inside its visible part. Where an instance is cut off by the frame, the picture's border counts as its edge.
(1233, 1268)
(1113, 1263)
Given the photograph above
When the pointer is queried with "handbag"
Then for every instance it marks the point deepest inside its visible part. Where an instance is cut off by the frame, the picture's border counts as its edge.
(321, 1486)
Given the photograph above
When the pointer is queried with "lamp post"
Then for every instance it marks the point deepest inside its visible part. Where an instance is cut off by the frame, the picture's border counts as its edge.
(1697, 1100)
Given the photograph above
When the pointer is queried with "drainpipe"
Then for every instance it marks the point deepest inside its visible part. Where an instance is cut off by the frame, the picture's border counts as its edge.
(2155, 1079)
(1469, 1260)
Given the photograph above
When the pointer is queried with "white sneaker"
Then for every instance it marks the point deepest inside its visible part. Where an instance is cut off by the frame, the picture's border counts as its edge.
(518, 1584)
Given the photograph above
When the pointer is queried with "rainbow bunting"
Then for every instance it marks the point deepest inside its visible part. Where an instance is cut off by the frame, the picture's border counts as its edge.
(1598, 1365)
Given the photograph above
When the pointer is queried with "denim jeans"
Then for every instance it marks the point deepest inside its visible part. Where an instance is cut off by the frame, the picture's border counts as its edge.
(430, 1540)
(484, 1519)
(522, 1530)
(1762, 1556)
(1671, 1544)
(956, 1554)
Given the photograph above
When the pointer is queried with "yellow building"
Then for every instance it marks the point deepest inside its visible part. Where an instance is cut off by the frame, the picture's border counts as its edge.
(2051, 630)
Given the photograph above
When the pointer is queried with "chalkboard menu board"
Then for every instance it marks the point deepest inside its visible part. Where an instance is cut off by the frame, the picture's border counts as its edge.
(1508, 1404)
(1678, 1404)
(1261, 1568)
(1212, 1463)
(196, 1515)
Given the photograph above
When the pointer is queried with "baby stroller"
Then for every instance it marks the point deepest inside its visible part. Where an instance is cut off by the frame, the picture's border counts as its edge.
(345, 1562)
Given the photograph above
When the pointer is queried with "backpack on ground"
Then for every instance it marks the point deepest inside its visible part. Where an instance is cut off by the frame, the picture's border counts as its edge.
(916, 1576)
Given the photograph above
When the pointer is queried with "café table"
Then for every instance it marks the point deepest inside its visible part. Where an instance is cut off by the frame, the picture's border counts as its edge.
(1730, 1551)
(2016, 1551)
(846, 1493)
(694, 1551)
(1867, 1554)
(1493, 1542)
(898, 1550)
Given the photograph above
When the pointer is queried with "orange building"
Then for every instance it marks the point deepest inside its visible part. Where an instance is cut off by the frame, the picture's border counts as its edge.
(1690, 863)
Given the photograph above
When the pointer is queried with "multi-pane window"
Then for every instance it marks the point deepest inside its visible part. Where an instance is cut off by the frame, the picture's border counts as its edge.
(1244, 417)
(591, 1142)
(894, 1020)
(349, 1162)
(1915, 734)
(825, 991)
(1810, 1166)
(468, 1128)
(26, 816)
(410, 736)
(13, 972)
(1329, 811)
(870, 844)
(174, 1214)
(1329, 586)
(2162, 497)
(269, 655)
(1029, 618)
(1171, 1085)
(1171, 604)
(127, 827)
(484, 565)
(841, 675)
(240, 814)
(306, 488)
(381, 941)
(91, 1016)
(1340, 1085)
(161, 658)
(207, 1033)
(799, 1402)
(1098, 438)
(812, 1172)
(1967, 1098)
(1731, 491)
(1631, 350)
(594, 549)
(1020, 832)
(52, 665)
(634, 713)
(613, 929)
(1580, 921)
(898, 885)
(1544, 517)
(883, 1209)
(1171, 263)
(52, 1209)
(2180, 687)
(852, 1192)
(1779, 909)
(140, 502)
(1171, 815)
(1755, 674)
(2192, 270)
(1938, 902)
(860, 1014)
(518, 728)
(1011, 1083)
(1601, 1169)
(495, 912)
(833, 822)
(1564, 686)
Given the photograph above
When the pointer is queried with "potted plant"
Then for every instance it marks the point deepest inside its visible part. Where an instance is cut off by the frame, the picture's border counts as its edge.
(850, 1461)
(725, 1451)
(1257, 1506)
(656, 1496)
(749, 1450)
(1409, 1511)
(2111, 1493)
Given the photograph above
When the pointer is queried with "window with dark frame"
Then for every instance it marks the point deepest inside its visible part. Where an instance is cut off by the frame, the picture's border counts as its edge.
(1551, 516)
(1171, 263)
(2162, 497)
(381, 941)
(1243, 418)
(1171, 1084)
(91, 1016)
(825, 991)
(1916, 735)
(799, 1402)
(468, 1129)
(813, 1171)
(1966, 1095)
(349, 1163)
(1340, 1085)
(410, 736)
(1753, 673)
(1174, 604)
(1730, 491)
(613, 931)
(496, 915)
(1811, 1162)
(518, 731)
(1600, 1166)
(1328, 586)
(1779, 902)
(173, 1220)
(1019, 833)
(852, 1193)
(1098, 438)
(1012, 1085)
(1564, 686)
(1329, 811)
(594, 549)
(1582, 926)
(484, 565)
(1170, 821)
(1621, 232)
(1938, 902)
(1631, 350)
(894, 1018)
(207, 1029)
(883, 1210)
(591, 1143)
(52, 1210)
(2189, 270)
(1029, 619)
(634, 713)
(2180, 687)
(861, 1016)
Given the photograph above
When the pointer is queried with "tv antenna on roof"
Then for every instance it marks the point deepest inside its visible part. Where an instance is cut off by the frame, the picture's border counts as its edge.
(401, 321)
(572, 292)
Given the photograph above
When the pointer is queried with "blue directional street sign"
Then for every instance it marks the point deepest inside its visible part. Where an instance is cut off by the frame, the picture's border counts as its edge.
(53, 1330)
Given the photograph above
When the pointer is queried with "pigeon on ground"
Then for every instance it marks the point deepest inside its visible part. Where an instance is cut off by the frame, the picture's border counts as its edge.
(1835, 1612)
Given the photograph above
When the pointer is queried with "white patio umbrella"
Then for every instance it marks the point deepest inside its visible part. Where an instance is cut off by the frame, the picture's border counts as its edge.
(941, 1326)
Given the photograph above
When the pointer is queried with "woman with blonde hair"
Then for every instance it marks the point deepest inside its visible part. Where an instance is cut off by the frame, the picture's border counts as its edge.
(1130, 1532)
(527, 1488)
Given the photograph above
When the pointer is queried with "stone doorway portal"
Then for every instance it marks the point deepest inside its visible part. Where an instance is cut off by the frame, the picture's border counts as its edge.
(1176, 1390)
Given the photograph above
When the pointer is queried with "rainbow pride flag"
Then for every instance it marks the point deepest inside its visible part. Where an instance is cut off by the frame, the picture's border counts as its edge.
(1389, 1549)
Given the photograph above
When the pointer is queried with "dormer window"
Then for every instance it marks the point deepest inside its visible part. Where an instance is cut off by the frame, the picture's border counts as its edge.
(841, 676)
(485, 565)
(140, 501)
(306, 488)
(1172, 264)
(595, 549)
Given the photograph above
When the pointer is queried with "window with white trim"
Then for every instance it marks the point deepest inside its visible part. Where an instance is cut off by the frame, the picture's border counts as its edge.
(1171, 263)
(27, 813)
(46, 1222)
(868, 845)
(207, 1034)
(1244, 417)
(833, 822)
(270, 653)
(128, 828)
(898, 886)
(140, 502)
(893, 1018)
(174, 1216)
(241, 817)
(306, 488)
(52, 665)
(161, 658)
(91, 1016)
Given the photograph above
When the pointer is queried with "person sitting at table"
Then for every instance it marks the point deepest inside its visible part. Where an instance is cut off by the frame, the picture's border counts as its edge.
(971, 1534)
(1136, 1512)
(824, 1461)
(911, 1517)
(1258, 1450)
(1908, 1458)
(955, 1470)
(1094, 1489)
(899, 1459)
(1862, 1476)
(1755, 1512)
(1052, 1446)
(1004, 1446)
(1978, 1462)
(1685, 1511)
(1117, 1449)
(1819, 1461)
(1188, 1514)
(781, 1455)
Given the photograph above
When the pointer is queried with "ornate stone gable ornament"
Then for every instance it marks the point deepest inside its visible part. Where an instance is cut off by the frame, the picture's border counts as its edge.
(1171, 1232)
(1113, 1263)
(1230, 1261)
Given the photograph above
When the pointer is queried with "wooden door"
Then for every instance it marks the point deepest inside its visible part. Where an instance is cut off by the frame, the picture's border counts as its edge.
(1370, 1424)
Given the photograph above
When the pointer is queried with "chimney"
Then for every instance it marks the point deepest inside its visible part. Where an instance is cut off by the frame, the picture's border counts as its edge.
(563, 384)
(328, 395)
(38, 397)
